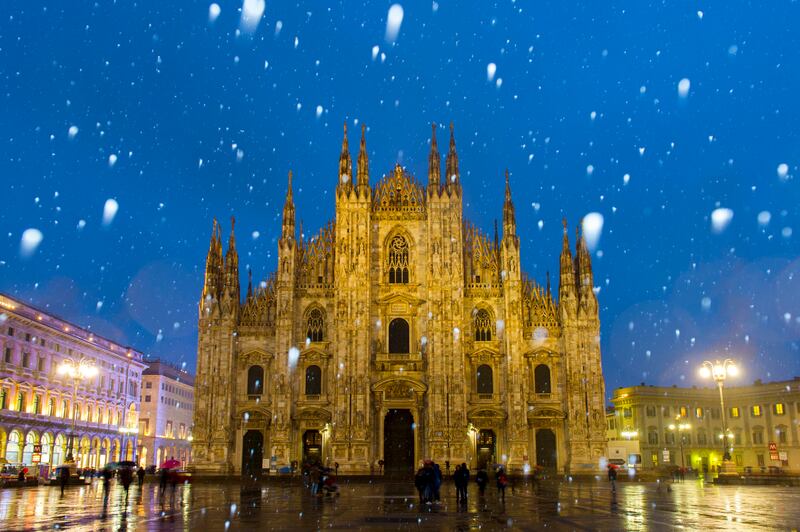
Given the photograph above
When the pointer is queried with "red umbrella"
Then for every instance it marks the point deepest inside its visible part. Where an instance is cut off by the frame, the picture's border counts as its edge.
(24, 469)
(171, 464)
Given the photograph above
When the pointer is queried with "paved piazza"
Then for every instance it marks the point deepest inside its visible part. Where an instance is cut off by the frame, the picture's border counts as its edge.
(393, 505)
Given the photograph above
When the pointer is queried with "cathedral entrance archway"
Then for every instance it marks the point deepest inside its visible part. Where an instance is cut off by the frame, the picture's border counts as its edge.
(312, 447)
(252, 454)
(546, 449)
(398, 442)
(485, 448)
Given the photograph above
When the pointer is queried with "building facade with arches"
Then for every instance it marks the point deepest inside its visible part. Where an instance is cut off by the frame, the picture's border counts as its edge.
(37, 402)
(165, 424)
(399, 332)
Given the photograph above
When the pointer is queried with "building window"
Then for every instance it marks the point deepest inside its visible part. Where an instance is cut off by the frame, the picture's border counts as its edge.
(626, 412)
(37, 404)
(756, 411)
(665, 411)
(398, 260)
(20, 401)
(11, 331)
(182, 431)
(714, 413)
(698, 412)
(255, 380)
(778, 409)
(146, 398)
(25, 359)
(313, 380)
(650, 411)
(484, 379)
(148, 385)
(398, 336)
(483, 326)
(734, 411)
(315, 326)
(760, 460)
(652, 437)
(169, 429)
(780, 432)
(701, 438)
(8, 355)
(758, 437)
(654, 459)
(669, 438)
(684, 411)
(541, 378)
(3, 399)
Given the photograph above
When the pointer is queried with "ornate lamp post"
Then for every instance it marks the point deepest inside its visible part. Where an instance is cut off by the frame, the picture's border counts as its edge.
(719, 371)
(77, 371)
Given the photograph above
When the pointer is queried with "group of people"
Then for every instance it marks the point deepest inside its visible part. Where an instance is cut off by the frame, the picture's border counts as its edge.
(320, 479)
(428, 481)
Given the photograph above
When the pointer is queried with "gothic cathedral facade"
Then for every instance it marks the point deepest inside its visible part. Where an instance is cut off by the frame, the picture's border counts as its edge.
(399, 332)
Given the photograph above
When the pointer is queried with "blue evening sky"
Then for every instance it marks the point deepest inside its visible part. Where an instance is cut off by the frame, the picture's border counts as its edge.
(200, 120)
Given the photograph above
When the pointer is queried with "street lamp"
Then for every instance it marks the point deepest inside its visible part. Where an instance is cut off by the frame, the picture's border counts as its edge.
(719, 370)
(681, 428)
(77, 371)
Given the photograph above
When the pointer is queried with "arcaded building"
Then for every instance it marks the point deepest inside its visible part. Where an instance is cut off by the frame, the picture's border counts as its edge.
(399, 332)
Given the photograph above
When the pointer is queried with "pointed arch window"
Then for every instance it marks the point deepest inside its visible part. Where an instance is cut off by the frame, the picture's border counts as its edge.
(313, 380)
(483, 326)
(541, 377)
(315, 326)
(398, 260)
(484, 379)
(255, 380)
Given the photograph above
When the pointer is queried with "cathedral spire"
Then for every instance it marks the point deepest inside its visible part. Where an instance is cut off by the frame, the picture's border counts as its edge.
(434, 163)
(249, 284)
(345, 163)
(232, 260)
(496, 239)
(211, 286)
(287, 230)
(567, 272)
(509, 220)
(363, 161)
(453, 177)
(583, 260)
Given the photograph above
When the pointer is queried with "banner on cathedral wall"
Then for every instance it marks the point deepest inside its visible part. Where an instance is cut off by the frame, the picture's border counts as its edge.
(665, 456)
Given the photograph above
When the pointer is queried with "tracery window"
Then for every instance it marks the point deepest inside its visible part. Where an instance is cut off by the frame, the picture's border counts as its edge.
(483, 326)
(398, 260)
(316, 324)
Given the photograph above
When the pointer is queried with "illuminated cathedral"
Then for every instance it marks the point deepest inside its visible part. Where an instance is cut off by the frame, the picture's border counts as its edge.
(399, 332)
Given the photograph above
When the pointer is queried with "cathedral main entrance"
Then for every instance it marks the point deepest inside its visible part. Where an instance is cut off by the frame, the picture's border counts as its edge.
(546, 449)
(398, 442)
(252, 454)
(312, 447)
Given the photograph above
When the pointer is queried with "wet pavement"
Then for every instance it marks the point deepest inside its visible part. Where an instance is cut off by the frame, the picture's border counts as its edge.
(392, 505)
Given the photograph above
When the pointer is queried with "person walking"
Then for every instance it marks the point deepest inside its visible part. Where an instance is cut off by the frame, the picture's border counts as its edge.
(63, 478)
(419, 483)
(464, 472)
(502, 481)
(162, 482)
(140, 476)
(612, 477)
(126, 478)
(107, 474)
(437, 483)
(457, 482)
(482, 479)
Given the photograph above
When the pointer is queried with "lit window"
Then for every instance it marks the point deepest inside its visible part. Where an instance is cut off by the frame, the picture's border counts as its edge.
(684, 411)
(483, 326)
(735, 411)
(698, 412)
(756, 410)
(779, 409)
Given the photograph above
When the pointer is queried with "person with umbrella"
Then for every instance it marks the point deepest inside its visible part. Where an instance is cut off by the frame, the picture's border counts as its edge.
(140, 476)
(612, 477)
